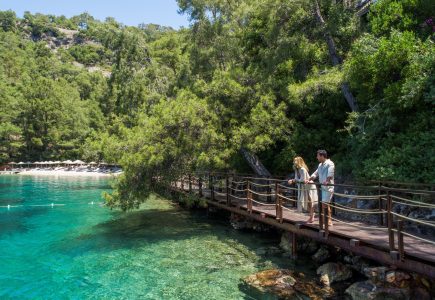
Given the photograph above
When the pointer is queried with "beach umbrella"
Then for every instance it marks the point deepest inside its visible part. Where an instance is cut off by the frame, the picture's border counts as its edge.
(92, 163)
(21, 163)
(79, 162)
(12, 163)
(67, 162)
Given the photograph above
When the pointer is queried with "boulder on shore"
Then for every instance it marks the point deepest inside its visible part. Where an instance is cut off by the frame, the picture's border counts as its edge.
(333, 272)
(321, 255)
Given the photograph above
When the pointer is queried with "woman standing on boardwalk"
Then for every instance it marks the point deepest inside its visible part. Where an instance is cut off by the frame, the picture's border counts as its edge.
(307, 193)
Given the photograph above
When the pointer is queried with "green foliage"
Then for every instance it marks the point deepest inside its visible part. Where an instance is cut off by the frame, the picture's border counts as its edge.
(246, 74)
(89, 54)
(8, 20)
(404, 15)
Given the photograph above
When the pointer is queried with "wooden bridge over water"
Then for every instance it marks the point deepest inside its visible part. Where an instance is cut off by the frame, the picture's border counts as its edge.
(385, 232)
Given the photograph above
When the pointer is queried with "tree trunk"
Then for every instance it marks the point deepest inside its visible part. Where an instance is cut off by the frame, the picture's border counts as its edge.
(335, 58)
(255, 163)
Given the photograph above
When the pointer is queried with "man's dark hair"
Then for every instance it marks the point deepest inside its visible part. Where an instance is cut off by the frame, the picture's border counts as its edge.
(322, 153)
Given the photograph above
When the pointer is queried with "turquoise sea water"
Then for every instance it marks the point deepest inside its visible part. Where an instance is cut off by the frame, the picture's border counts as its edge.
(78, 249)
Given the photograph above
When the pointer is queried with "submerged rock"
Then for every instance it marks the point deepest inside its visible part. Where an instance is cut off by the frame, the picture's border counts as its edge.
(283, 284)
(333, 272)
(276, 282)
(268, 251)
(365, 290)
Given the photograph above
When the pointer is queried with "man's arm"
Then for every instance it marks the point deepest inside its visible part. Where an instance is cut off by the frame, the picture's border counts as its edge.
(314, 175)
(331, 172)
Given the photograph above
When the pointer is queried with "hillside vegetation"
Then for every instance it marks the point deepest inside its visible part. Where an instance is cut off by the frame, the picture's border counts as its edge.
(271, 78)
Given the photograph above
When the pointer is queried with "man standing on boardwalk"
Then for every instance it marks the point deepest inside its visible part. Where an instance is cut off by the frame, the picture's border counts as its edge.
(325, 173)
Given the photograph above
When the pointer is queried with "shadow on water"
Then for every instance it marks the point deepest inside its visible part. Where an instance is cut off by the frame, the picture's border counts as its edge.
(134, 229)
(12, 222)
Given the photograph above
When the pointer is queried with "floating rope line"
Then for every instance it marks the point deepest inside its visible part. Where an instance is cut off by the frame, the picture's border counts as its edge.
(47, 205)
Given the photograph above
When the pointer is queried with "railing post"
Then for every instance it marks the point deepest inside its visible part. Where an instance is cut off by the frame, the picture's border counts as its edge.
(332, 208)
(200, 185)
(400, 243)
(325, 209)
(211, 184)
(320, 207)
(380, 205)
(190, 183)
(280, 210)
(390, 222)
(295, 194)
(276, 201)
(248, 197)
(227, 185)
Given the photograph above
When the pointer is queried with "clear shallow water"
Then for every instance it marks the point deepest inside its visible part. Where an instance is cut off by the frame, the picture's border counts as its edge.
(85, 251)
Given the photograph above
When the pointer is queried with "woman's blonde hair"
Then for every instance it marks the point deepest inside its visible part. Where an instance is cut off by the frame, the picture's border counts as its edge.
(299, 163)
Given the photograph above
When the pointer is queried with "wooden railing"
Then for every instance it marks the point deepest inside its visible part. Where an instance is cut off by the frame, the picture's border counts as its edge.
(387, 206)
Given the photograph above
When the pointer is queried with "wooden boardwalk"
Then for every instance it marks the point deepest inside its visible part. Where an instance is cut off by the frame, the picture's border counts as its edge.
(384, 244)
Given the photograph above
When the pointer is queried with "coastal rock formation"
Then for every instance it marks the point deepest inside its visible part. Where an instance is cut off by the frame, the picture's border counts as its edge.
(364, 290)
(357, 263)
(385, 283)
(333, 272)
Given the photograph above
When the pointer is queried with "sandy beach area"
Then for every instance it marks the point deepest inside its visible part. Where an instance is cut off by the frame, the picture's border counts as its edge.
(67, 173)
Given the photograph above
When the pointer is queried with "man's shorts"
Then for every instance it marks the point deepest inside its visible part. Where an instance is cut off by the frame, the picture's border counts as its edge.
(327, 193)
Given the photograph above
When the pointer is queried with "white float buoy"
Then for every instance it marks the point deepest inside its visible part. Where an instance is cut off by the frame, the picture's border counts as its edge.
(52, 204)
(9, 206)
